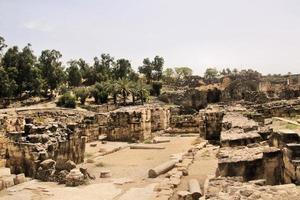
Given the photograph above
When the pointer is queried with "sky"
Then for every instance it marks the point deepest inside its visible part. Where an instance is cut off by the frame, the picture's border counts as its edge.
(260, 34)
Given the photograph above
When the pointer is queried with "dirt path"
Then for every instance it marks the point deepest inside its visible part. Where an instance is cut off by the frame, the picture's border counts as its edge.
(204, 165)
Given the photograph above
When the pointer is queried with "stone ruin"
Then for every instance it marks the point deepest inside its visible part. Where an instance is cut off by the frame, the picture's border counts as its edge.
(38, 149)
(235, 188)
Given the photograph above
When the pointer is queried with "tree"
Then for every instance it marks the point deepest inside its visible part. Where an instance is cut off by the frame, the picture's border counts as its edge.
(168, 75)
(87, 73)
(158, 64)
(51, 69)
(29, 78)
(7, 86)
(122, 69)
(2, 44)
(139, 91)
(211, 73)
(124, 86)
(74, 75)
(21, 68)
(146, 70)
(82, 94)
(152, 70)
(100, 93)
(112, 88)
(183, 72)
(103, 67)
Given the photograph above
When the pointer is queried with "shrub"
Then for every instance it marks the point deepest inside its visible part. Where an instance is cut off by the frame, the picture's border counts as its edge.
(67, 100)
(82, 94)
(99, 93)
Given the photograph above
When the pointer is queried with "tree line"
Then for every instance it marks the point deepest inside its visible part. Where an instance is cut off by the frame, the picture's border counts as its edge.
(23, 74)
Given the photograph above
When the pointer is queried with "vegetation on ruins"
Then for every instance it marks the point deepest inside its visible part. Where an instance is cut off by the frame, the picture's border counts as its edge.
(67, 100)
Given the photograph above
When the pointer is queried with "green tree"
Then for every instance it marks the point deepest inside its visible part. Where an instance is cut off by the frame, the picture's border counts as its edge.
(82, 94)
(112, 88)
(139, 91)
(87, 73)
(152, 70)
(100, 93)
(124, 86)
(183, 72)
(29, 78)
(122, 69)
(158, 64)
(211, 73)
(7, 86)
(2, 44)
(51, 69)
(102, 67)
(74, 75)
(146, 69)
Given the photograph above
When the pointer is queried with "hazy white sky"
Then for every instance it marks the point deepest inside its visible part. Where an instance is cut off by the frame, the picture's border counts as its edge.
(259, 34)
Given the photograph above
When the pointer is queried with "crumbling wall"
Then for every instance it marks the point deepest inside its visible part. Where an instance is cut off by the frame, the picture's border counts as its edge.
(129, 124)
(210, 124)
(192, 99)
(160, 118)
(29, 148)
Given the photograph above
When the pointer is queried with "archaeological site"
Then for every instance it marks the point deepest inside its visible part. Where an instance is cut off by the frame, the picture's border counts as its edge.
(232, 137)
(150, 100)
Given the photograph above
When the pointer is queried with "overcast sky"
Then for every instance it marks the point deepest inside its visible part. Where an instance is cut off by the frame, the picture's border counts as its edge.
(259, 34)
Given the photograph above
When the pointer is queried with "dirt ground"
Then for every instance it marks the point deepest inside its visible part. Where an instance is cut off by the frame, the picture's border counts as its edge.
(128, 167)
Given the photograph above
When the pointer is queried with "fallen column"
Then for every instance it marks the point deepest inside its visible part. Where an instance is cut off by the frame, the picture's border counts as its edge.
(161, 140)
(161, 169)
(194, 188)
(145, 147)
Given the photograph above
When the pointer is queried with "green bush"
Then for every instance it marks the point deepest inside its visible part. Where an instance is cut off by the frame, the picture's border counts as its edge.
(99, 93)
(82, 94)
(67, 100)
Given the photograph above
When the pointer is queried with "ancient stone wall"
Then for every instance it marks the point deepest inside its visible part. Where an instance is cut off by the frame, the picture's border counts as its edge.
(29, 148)
(210, 124)
(192, 99)
(129, 124)
(160, 118)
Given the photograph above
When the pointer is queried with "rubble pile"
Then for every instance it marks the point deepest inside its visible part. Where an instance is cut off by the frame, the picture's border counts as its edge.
(235, 188)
